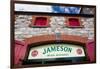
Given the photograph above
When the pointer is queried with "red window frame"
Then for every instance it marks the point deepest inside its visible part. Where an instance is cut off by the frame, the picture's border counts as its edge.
(70, 22)
(44, 21)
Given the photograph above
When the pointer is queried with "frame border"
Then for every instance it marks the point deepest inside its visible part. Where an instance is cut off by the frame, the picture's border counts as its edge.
(45, 3)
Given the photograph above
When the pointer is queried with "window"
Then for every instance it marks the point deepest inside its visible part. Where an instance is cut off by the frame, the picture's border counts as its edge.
(73, 22)
(40, 21)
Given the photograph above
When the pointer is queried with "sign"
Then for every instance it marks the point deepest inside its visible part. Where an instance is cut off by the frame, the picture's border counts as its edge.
(47, 8)
(56, 51)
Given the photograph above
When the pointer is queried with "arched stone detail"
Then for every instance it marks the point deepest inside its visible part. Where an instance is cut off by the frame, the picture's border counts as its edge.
(63, 37)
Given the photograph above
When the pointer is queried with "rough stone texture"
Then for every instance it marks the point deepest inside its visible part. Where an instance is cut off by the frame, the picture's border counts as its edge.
(86, 10)
(57, 25)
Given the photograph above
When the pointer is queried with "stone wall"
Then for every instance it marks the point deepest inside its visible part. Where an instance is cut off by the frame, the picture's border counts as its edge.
(22, 29)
